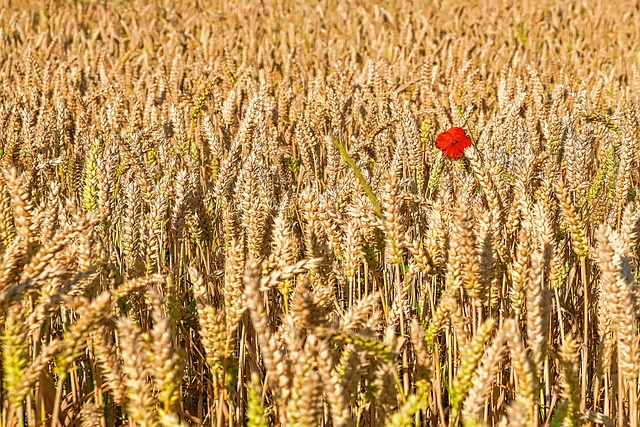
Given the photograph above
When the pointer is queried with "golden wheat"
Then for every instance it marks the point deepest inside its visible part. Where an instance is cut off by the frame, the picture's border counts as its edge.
(235, 213)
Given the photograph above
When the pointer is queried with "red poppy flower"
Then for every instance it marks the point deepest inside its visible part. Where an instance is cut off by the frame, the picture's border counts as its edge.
(453, 142)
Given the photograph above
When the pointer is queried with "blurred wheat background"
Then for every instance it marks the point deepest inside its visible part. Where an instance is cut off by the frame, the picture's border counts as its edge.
(229, 213)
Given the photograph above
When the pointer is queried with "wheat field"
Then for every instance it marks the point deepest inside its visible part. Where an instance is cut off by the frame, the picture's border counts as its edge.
(225, 214)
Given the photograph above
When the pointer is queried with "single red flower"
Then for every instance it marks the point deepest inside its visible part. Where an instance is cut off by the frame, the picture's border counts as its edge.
(453, 142)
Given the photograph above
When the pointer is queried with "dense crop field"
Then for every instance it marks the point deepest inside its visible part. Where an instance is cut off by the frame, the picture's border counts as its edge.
(221, 213)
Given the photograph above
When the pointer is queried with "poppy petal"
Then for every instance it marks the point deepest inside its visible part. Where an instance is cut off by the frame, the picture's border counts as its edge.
(453, 142)
(453, 151)
(444, 140)
(459, 134)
